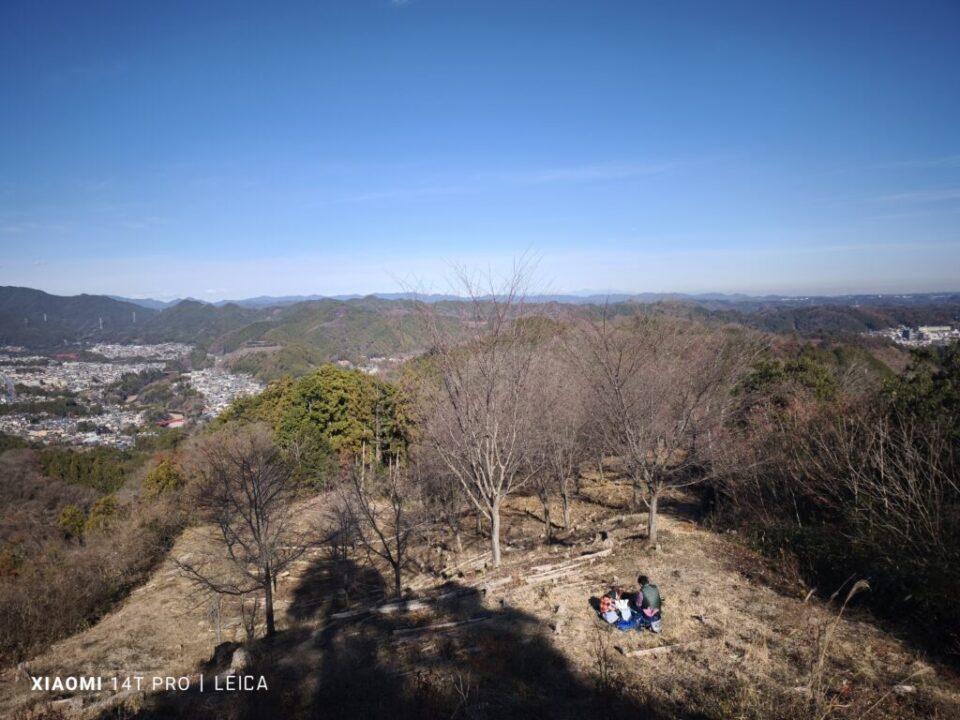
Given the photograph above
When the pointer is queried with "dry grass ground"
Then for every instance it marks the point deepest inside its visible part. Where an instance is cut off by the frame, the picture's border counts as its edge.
(755, 651)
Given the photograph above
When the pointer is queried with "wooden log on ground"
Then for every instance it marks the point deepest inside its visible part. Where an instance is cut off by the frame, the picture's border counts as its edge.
(571, 563)
(495, 584)
(440, 626)
(402, 606)
(466, 563)
(593, 556)
(547, 577)
(566, 568)
(663, 649)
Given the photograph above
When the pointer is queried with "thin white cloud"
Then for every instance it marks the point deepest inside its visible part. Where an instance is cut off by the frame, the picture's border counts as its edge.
(400, 193)
(943, 161)
(144, 223)
(918, 214)
(922, 196)
(589, 173)
(481, 182)
(26, 227)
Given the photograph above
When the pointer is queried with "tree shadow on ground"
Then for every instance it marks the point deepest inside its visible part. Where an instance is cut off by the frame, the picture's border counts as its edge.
(332, 584)
(591, 498)
(687, 506)
(461, 659)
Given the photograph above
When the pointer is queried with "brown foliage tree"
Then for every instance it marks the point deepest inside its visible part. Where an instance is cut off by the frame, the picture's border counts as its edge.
(478, 413)
(382, 504)
(661, 389)
(561, 439)
(241, 485)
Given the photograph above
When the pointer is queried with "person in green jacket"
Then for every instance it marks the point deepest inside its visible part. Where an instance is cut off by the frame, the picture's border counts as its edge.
(645, 609)
(647, 603)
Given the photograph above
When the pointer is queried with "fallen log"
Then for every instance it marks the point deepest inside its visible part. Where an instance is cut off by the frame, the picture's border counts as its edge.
(571, 563)
(547, 577)
(465, 563)
(494, 584)
(402, 606)
(448, 572)
(591, 556)
(566, 568)
(662, 649)
(440, 626)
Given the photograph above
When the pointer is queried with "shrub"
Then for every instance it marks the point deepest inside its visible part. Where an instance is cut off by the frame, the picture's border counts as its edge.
(101, 514)
(163, 478)
(72, 521)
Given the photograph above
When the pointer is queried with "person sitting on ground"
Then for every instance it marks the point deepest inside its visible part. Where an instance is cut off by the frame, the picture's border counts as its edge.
(615, 606)
(647, 602)
(645, 611)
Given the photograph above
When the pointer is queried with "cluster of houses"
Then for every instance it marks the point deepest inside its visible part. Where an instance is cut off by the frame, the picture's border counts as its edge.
(920, 336)
(32, 380)
(161, 351)
(114, 427)
(219, 388)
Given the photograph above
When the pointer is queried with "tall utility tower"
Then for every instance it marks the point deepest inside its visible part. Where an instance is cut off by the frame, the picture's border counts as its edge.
(101, 323)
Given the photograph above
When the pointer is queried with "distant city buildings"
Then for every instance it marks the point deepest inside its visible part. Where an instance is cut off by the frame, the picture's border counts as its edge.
(108, 423)
(923, 336)
(376, 365)
(163, 351)
(219, 388)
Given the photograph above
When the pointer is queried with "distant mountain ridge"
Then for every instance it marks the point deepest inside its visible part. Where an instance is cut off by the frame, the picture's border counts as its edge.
(589, 298)
(146, 302)
(274, 336)
(37, 319)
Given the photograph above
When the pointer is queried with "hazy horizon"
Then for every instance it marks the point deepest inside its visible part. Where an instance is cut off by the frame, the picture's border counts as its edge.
(581, 293)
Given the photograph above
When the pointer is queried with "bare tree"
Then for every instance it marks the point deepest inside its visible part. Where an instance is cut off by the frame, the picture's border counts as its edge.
(478, 414)
(661, 390)
(443, 497)
(895, 472)
(243, 487)
(381, 504)
(561, 440)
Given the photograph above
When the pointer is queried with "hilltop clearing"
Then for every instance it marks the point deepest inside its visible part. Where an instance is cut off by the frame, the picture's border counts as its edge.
(517, 640)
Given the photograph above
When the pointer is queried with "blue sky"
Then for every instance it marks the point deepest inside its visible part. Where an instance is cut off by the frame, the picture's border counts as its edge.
(224, 150)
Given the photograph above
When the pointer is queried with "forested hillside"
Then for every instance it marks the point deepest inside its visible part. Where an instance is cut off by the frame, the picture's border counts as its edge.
(37, 319)
(292, 339)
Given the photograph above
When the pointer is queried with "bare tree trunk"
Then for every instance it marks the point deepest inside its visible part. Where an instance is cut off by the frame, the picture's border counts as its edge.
(248, 616)
(268, 603)
(495, 533)
(219, 612)
(652, 517)
(565, 500)
(396, 581)
(458, 540)
(547, 529)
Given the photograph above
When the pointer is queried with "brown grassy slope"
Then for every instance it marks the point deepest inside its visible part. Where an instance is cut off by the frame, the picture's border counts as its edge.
(537, 649)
